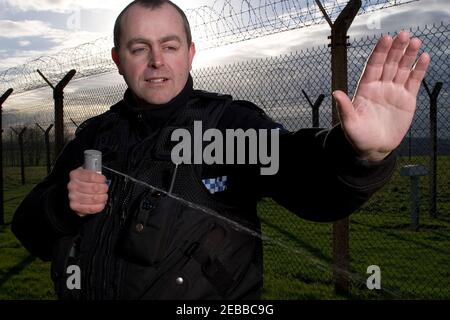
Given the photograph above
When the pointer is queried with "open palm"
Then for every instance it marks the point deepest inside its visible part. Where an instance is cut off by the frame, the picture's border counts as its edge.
(381, 112)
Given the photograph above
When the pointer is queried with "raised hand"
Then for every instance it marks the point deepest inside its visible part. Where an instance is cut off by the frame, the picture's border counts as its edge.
(381, 112)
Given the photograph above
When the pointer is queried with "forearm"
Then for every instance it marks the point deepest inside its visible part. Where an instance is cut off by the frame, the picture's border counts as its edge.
(42, 218)
(321, 177)
(44, 215)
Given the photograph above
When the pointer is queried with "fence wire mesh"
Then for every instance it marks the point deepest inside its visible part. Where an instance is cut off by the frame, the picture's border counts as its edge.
(413, 263)
(220, 23)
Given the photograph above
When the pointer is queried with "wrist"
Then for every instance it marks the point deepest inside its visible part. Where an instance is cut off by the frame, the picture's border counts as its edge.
(373, 156)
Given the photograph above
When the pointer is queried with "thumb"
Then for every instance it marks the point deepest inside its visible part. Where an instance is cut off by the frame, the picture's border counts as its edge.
(344, 106)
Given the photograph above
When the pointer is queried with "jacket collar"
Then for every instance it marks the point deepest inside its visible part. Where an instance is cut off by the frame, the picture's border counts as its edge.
(130, 106)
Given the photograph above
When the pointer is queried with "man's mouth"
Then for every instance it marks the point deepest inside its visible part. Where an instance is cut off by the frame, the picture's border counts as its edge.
(157, 80)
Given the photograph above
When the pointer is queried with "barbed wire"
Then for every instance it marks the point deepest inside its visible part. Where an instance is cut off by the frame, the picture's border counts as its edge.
(305, 68)
(224, 22)
(231, 21)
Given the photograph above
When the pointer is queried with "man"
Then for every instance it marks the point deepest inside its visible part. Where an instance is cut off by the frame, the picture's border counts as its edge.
(131, 242)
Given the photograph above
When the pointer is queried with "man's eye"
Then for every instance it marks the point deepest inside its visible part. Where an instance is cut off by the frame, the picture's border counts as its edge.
(171, 48)
(137, 50)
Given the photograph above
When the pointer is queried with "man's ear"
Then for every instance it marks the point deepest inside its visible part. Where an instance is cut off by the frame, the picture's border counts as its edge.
(116, 59)
(191, 55)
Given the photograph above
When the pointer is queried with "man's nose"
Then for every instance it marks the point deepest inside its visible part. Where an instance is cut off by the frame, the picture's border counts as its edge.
(156, 60)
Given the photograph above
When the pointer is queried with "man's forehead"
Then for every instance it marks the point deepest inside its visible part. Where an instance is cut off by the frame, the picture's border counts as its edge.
(144, 39)
(137, 9)
(160, 14)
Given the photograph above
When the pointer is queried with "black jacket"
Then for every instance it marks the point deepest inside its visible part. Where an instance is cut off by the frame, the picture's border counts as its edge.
(319, 179)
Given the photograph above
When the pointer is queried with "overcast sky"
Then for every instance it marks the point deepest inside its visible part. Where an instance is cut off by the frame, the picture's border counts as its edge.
(32, 28)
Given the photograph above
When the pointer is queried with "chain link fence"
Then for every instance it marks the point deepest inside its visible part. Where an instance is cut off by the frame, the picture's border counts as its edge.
(413, 262)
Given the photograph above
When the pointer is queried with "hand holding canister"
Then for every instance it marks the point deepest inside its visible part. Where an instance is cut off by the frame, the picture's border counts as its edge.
(88, 191)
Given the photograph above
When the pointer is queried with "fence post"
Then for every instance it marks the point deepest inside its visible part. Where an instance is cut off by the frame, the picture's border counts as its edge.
(433, 148)
(58, 96)
(339, 81)
(22, 161)
(13, 157)
(47, 144)
(315, 108)
(2, 100)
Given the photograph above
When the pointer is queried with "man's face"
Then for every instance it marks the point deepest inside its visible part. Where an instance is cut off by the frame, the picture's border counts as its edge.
(154, 57)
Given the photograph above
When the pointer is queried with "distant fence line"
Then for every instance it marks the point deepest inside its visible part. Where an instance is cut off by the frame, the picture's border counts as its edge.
(282, 86)
(275, 84)
(286, 87)
(224, 22)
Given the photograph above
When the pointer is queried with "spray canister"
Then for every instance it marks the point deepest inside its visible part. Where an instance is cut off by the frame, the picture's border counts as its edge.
(93, 160)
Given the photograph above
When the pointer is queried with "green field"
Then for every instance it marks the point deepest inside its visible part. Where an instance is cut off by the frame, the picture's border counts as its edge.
(297, 253)
(21, 275)
(414, 265)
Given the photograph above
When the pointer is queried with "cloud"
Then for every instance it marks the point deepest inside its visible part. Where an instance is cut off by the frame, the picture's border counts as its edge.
(402, 17)
(40, 29)
(375, 23)
(62, 6)
(34, 31)
(17, 57)
(28, 45)
(26, 28)
(24, 43)
(391, 19)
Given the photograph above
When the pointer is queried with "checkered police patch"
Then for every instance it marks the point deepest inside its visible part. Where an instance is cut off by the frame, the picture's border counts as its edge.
(214, 185)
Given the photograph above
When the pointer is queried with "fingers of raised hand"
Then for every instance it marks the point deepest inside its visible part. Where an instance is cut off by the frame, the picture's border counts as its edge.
(345, 107)
(417, 74)
(395, 55)
(393, 60)
(407, 61)
(375, 63)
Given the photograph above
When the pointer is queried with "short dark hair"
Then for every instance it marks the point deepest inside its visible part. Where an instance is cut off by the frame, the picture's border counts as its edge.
(151, 4)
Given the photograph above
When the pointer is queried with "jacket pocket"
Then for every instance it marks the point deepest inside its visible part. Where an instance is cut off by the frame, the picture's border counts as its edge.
(147, 235)
(214, 262)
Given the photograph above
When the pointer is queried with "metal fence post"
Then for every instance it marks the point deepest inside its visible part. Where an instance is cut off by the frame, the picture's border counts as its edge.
(22, 157)
(315, 108)
(414, 172)
(11, 143)
(339, 81)
(2, 100)
(58, 96)
(433, 148)
(47, 145)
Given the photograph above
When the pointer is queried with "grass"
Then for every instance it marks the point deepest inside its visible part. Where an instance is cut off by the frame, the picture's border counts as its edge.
(413, 264)
(298, 253)
(21, 275)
